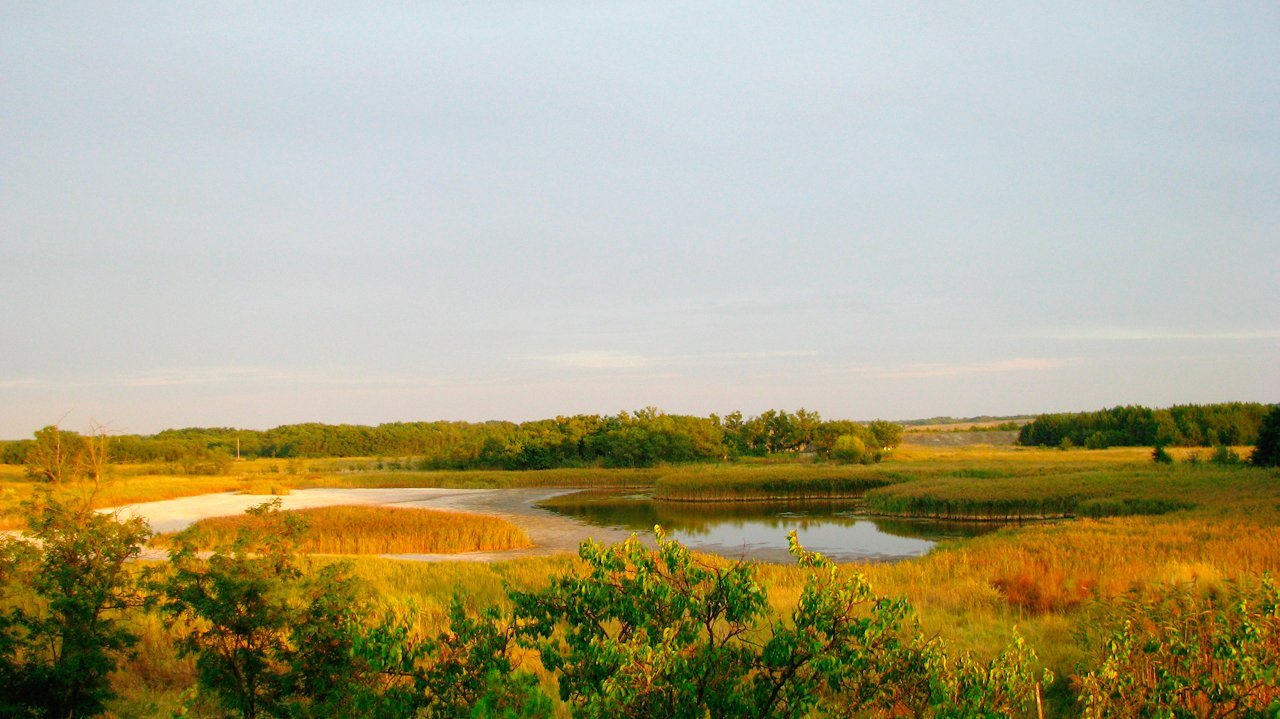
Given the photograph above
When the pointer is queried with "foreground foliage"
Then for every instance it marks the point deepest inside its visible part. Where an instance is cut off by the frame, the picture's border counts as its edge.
(1187, 655)
(67, 586)
(659, 633)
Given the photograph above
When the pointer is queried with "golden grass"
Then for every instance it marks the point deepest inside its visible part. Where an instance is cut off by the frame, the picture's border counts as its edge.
(990, 490)
(351, 529)
(265, 487)
(759, 482)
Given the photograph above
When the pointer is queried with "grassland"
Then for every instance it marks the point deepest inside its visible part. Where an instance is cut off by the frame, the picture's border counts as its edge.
(1137, 527)
(375, 530)
(720, 483)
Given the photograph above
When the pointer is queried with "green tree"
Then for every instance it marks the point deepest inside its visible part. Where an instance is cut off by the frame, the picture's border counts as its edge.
(849, 448)
(55, 456)
(275, 638)
(1266, 453)
(239, 609)
(1160, 455)
(57, 653)
(662, 633)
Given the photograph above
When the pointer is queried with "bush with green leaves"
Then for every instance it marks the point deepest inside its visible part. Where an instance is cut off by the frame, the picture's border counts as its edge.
(1160, 455)
(663, 633)
(1185, 654)
(1266, 453)
(269, 639)
(67, 582)
(274, 637)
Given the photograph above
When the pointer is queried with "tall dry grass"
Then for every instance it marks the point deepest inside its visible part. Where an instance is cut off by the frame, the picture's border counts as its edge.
(989, 491)
(376, 530)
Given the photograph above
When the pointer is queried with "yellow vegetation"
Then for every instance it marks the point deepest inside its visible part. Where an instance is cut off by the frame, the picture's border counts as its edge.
(378, 530)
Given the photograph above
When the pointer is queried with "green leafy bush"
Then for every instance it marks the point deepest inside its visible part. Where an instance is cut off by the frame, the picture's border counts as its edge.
(1267, 451)
(1186, 655)
(58, 648)
(662, 633)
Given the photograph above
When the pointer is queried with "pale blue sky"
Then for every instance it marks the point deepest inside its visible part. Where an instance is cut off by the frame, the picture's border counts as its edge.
(249, 214)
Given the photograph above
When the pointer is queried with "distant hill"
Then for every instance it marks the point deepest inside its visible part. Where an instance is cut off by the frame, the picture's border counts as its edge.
(963, 423)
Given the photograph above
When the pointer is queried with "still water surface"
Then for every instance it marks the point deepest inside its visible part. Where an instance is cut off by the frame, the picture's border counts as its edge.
(759, 529)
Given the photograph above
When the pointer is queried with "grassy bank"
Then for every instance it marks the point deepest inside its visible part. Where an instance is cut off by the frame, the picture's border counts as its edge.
(1008, 494)
(722, 483)
(375, 530)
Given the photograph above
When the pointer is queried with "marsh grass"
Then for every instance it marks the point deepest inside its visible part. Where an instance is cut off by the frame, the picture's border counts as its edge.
(722, 483)
(1098, 492)
(265, 487)
(486, 479)
(350, 529)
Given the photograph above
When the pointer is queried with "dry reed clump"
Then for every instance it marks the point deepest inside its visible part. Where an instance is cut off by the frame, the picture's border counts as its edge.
(378, 530)
(265, 487)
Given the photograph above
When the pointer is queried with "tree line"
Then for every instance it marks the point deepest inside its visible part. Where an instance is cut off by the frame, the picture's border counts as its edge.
(628, 439)
(1189, 425)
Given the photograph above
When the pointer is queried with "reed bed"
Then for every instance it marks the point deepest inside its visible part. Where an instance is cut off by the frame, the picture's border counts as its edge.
(753, 483)
(485, 479)
(984, 494)
(349, 529)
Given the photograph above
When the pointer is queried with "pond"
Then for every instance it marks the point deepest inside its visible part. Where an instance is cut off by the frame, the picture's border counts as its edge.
(758, 530)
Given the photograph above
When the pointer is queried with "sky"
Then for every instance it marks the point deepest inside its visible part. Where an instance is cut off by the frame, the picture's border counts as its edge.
(252, 214)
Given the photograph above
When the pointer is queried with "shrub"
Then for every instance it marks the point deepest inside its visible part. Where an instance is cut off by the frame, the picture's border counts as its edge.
(1224, 455)
(1160, 455)
(1267, 451)
(660, 633)
(1185, 655)
(849, 448)
(57, 655)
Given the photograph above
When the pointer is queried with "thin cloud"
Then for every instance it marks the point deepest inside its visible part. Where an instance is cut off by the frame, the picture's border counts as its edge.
(599, 360)
(1139, 335)
(208, 375)
(616, 360)
(942, 369)
(195, 376)
(23, 383)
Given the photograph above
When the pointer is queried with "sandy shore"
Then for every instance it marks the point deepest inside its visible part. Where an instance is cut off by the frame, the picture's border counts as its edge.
(550, 533)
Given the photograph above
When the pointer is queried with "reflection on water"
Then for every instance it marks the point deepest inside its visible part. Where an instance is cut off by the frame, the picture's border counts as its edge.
(759, 529)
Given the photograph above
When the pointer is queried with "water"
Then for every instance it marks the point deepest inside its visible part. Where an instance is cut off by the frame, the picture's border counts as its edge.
(758, 530)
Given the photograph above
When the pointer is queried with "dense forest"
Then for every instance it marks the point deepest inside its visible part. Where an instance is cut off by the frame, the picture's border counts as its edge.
(1188, 425)
(628, 439)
